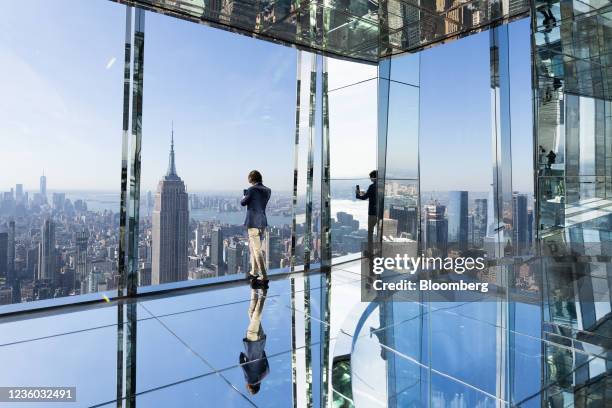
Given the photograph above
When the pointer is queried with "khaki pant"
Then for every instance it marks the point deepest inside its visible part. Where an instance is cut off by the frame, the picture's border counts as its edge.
(258, 260)
(255, 330)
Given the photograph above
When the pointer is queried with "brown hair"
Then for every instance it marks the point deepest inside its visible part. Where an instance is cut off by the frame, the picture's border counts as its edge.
(253, 388)
(255, 177)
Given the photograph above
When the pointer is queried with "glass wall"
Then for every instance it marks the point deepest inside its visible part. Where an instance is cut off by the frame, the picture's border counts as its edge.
(194, 126)
(455, 147)
(206, 123)
(398, 155)
(572, 110)
(60, 123)
(352, 95)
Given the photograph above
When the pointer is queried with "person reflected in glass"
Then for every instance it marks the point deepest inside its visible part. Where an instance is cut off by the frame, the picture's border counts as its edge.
(256, 199)
(552, 157)
(253, 359)
(370, 195)
(542, 160)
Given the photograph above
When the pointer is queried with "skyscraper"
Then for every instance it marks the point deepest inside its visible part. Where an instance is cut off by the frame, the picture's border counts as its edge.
(273, 248)
(19, 193)
(80, 267)
(46, 251)
(43, 186)
(236, 259)
(480, 221)
(458, 218)
(520, 222)
(10, 271)
(407, 218)
(216, 250)
(199, 240)
(170, 227)
(436, 230)
(3, 254)
(58, 201)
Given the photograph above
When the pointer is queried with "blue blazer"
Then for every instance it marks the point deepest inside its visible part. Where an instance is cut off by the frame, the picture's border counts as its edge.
(256, 200)
(254, 361)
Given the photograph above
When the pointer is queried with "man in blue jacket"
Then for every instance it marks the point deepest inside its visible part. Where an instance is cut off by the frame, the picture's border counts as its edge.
(256, 199)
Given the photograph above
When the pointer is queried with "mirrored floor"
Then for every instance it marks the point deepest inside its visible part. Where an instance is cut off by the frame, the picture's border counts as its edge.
(308, 341)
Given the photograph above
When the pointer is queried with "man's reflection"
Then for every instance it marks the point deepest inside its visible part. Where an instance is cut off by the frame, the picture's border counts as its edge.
(253, 360)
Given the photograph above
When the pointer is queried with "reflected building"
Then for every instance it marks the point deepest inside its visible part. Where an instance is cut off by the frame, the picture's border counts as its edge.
(457, 213)
(407, 220)
(170, 227)
(436, 230)
(520, 223)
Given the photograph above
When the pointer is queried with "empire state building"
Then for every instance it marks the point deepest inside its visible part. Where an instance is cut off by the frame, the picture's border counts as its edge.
(170, 227)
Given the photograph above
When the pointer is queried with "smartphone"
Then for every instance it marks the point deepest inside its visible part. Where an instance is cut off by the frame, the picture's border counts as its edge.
(244, 192)
(357, 187)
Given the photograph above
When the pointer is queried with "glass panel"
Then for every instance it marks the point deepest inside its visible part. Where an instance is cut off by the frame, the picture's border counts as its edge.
(456, 152)
(405, 68)
(447, 392)
(352, 130)
(66, 360)
(343, 73)
(62, 106)
(465, 349)
(349, 230)
(201, 138)
(402, 131)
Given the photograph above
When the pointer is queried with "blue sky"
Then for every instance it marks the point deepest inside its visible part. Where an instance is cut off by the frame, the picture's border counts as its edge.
(455, 139)
(232, 100)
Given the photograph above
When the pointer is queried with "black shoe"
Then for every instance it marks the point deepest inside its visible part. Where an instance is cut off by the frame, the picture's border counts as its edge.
(260, 283)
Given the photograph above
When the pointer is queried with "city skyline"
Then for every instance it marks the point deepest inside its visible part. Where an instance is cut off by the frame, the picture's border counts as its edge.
(231, 125)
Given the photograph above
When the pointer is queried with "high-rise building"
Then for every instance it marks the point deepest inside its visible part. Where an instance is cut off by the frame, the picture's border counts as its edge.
(216, 250)
(58, 201)
(407, 219)
(436, 230)
(273, 248)
(46, 251)
(81, 240)
(530, 226)
(43, 186)
(470, 229)
(389, 227)
(199, 240)
(10, 271)
(480, 221)
(236, 258)
(457, 213)
(170, 229)
(3, 254)
(520, 223)
(19, 193)
(32, 262)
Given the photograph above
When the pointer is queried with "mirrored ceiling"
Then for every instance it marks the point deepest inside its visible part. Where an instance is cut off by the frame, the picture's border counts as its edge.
(363, 30)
